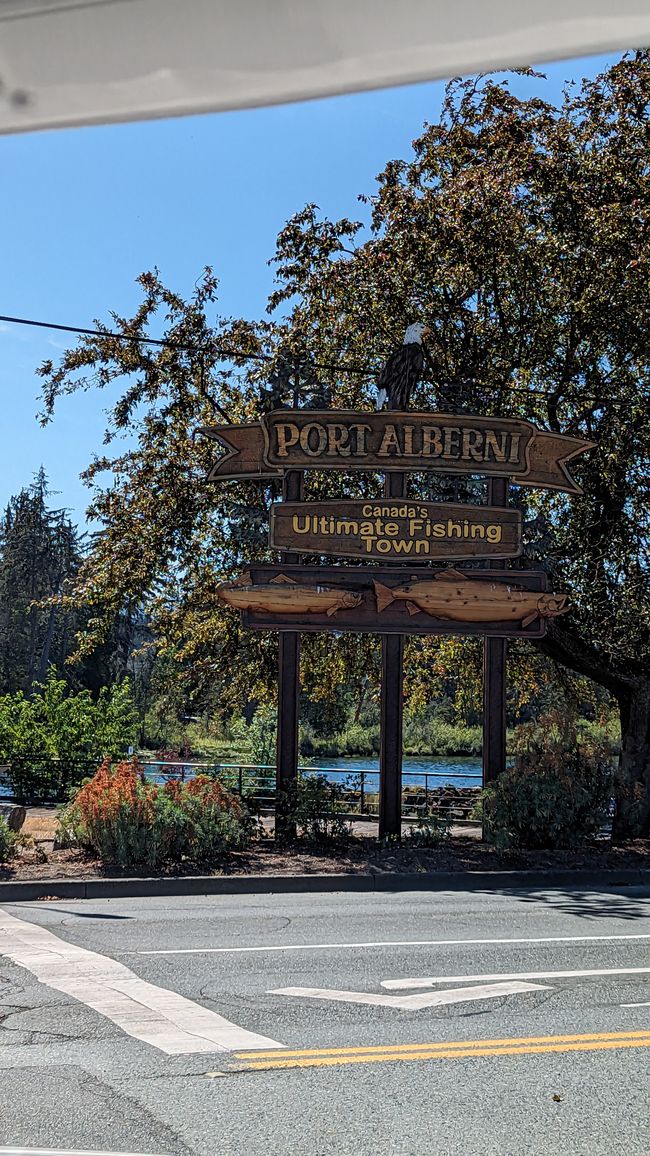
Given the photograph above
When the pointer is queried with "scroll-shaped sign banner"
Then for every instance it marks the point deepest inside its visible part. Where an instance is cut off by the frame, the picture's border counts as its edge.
(446, 443)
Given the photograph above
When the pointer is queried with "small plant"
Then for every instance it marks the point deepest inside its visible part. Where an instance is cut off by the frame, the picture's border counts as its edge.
(262, 736)
(317, 808)
(8, 840)
(429, 831)
(126, 820)
(556, 794)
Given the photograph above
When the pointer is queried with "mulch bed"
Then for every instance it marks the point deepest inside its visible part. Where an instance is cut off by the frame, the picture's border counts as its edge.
(362, 856)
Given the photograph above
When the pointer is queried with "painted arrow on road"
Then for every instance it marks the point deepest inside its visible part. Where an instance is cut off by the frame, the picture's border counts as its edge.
(432, 980)
(413, 1002)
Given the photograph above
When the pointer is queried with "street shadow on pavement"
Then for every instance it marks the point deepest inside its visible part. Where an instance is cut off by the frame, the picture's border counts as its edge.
(599, 902)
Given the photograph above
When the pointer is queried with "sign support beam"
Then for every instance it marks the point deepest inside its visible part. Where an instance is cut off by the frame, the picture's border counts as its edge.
(494, 675)
(390, 752)
(286, 771)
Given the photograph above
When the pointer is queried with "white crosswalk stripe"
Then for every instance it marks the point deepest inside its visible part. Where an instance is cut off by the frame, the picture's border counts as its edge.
(155, 1015)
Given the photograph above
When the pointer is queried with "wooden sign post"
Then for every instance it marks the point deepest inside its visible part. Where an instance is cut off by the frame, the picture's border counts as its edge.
(391, 712)
(288, 699)
(399, 532)
(494, 676)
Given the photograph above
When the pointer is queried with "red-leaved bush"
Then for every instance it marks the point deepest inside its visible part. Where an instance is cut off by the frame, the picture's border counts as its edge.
(125, 819)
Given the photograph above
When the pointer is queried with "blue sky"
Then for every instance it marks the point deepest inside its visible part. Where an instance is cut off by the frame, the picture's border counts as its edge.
(85, 210)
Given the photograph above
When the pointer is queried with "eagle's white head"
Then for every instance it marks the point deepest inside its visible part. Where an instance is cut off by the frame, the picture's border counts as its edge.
(415, 333)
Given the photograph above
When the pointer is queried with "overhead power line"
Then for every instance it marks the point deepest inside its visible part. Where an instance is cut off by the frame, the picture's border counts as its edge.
(212, 347)
(221, 352)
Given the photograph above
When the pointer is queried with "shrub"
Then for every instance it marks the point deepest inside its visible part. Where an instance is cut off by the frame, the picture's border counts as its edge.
(429, 831)
(317, 807)
(555, 795)
(126, 820)
(7, 841)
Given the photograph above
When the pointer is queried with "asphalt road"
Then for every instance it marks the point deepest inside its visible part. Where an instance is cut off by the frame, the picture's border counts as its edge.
(496, 1045)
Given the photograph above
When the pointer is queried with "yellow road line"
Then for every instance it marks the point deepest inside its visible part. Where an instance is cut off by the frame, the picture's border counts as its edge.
(468, 1053)
(330, 1057)
(286, 1053)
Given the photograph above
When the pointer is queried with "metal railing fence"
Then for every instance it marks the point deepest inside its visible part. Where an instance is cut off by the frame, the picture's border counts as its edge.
(359, 787)
(41, 780)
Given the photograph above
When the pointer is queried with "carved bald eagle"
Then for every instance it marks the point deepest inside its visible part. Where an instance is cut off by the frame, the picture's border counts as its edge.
(402, 371)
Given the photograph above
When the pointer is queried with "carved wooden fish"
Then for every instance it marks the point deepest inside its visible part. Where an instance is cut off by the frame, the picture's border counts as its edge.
(284, 596)
(453, 595)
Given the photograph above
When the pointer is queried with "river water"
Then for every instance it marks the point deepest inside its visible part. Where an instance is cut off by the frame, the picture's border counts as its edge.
(457, 770)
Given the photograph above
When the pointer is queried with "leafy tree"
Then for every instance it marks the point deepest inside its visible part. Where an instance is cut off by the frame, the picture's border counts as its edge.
(116, 720)
(262, 734)
(519, 233)
(55, 723)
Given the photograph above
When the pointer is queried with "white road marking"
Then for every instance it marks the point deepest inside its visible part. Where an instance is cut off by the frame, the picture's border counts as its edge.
(431, 981)
(412, 1002)
(646, 1003)
(383, 943)
(168, 1021)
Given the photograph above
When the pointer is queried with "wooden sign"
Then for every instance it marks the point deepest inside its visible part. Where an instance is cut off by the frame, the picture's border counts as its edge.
(364, 600)
(244, 456)
(400, 530)
(384, 441)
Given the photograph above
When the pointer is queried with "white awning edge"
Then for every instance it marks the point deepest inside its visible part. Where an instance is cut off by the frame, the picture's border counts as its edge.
(75, 62)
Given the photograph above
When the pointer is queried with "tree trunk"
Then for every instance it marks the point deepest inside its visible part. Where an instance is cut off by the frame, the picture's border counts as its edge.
(47, 646)
(249, 710)
(633, 779)
(30, 676)
(361, 702)
(632, 693)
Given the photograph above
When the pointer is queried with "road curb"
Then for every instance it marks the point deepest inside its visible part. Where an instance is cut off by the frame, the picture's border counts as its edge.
(30, 889)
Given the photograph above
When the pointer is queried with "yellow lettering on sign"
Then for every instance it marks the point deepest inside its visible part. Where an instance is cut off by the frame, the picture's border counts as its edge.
(451, 441)
(431, 441)
(514, 447)
(497, 443)
(472, 445)
(307, 442)
(389, 442)
(361, 429)
(338, 441)
(287, 435)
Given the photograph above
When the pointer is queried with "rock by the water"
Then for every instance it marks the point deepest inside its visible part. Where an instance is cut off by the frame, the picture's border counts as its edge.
(14, 815)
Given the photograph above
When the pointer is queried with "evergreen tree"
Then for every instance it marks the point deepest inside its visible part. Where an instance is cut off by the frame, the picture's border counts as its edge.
(40, 555)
